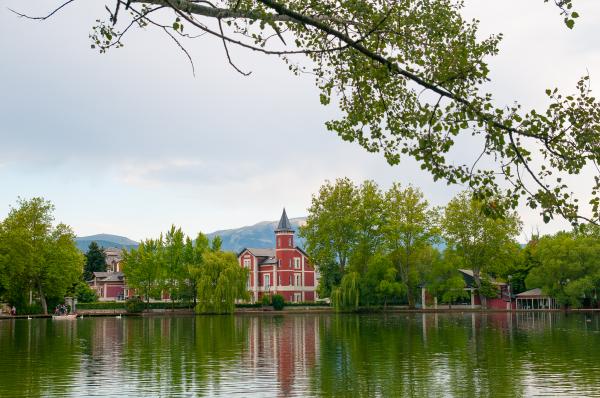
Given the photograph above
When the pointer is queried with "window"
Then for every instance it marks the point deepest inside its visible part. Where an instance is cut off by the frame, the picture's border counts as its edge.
(296, 262)
(290, 242)
(267, 281)
(298, 279)
(279, 280)
(246, 263)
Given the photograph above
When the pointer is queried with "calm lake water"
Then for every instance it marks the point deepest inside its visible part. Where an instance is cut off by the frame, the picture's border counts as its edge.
(421, 355)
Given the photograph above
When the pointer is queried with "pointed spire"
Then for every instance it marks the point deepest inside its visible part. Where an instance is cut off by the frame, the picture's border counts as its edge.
(284, 223)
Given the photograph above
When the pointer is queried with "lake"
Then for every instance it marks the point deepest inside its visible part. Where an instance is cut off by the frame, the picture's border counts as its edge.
(421, 355)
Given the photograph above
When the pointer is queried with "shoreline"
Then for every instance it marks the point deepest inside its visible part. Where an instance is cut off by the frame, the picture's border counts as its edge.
(301, 310)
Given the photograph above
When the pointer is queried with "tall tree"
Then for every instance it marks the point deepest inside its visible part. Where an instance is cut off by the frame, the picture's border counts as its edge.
(368, 222)
(330, 231)
(411, 226)
(483, 242)
(38, 257)
(95, 261)
(409, 78)
(142, 267)
(194, 259)
(173, 264)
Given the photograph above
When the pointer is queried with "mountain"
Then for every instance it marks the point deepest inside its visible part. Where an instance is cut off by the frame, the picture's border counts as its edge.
(105, 240)
(261, 235)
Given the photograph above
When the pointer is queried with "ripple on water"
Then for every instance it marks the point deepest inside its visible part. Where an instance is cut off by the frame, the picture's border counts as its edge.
(460, 355)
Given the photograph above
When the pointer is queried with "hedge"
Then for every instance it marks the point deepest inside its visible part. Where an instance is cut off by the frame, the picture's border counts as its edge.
(248, 305)
(102, 305)
(306, 304)
(120, 305)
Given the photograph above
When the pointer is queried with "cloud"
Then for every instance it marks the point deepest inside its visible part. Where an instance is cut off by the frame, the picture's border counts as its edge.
(133, 135)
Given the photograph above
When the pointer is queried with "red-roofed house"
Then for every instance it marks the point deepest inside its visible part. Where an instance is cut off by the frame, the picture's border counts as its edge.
(284, 270)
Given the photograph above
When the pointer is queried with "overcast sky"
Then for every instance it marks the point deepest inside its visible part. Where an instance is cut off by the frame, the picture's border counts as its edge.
(129, 142)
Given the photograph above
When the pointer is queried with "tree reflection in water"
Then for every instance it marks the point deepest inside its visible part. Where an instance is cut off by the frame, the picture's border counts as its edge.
(460, 354)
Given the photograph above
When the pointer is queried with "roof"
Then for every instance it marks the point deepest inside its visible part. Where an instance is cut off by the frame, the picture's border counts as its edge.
(470, 279)
(258, 252)
(537, 292)
(109, 276)
(284, 223)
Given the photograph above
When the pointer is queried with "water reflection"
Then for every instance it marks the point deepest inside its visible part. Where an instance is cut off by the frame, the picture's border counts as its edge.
(494, 354)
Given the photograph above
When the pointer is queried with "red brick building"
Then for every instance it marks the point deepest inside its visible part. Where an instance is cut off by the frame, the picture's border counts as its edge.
(283, 270)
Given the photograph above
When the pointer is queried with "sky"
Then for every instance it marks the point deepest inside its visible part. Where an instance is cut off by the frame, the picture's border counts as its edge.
(130, 142)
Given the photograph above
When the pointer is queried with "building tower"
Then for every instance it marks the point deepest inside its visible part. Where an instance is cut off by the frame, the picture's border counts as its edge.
(284, 234)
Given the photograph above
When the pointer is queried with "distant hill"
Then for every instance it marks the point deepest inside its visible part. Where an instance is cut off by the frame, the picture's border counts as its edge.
(259, 235)
(105, 240)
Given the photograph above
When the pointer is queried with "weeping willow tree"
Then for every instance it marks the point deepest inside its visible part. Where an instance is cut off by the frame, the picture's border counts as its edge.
(221, 281)
(347, 295)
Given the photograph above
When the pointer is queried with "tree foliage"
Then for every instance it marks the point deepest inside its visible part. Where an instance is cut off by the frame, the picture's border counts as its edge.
(568, 268)
(221, 281)
(95, 261)
(36, 256)
(382, 236)
(84, 293)
(196, 271)
(410, 80)
(485, 244)
(443, 279)
(141, 267)
(411, 226)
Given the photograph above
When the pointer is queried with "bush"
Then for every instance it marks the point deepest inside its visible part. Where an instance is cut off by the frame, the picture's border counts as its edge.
(278, 302)
(30, 309)
(308, 304)
(265, 300)
(134, 305)
(84, 293)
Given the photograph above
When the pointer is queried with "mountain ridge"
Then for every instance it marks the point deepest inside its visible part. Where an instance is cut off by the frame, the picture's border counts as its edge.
(259, 235)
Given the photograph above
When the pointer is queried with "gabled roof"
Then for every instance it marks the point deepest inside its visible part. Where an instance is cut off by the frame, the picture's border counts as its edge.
(537, 292)
(302, 251)
(284, 223)
(258, 252)
(109, 276)
(470, 279)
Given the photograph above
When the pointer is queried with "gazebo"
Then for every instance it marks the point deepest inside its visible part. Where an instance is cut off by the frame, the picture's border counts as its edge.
(534, 299)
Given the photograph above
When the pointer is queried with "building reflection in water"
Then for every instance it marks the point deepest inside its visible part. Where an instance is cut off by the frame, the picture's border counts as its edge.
(288, 343)
(458, 354)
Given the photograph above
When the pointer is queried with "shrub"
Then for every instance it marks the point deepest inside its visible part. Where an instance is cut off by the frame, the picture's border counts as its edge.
(308, 304)
(84, 293)
(30, 309)
(134, 305)
(278, 302)
(265, 300)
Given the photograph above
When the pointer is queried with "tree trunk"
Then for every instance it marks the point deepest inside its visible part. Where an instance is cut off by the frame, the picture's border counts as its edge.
(43, 300)
(411, 299)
